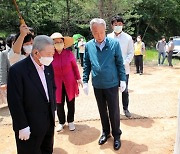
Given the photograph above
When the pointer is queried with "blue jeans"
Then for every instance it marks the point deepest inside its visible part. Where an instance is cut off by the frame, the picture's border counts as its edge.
(163, 56)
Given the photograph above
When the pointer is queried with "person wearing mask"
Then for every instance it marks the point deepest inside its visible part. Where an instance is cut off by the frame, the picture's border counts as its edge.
(161, 48)
(4, 68)
(31, 99)
(81, 46)
(103, 59)
(77, 56)
(22, 46)
(67, 79)
(139, 52)
(170, 51)
(2, 44)
(127, 49)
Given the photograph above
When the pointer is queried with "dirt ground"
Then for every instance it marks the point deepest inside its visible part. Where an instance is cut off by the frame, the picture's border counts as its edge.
(151, 130)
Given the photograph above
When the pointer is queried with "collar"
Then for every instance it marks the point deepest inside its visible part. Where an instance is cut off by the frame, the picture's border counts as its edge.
(118, 34)
(101, 45)
(103, 42)
(36, 65)
(57, 53)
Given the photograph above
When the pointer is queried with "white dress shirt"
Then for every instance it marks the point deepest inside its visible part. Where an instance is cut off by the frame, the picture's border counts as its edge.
(127, 48)
(40, 70)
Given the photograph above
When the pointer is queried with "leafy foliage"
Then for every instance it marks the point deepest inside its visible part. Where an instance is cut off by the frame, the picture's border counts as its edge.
(150, 18)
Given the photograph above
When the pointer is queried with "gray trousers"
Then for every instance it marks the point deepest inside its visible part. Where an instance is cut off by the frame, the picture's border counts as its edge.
(170, 53)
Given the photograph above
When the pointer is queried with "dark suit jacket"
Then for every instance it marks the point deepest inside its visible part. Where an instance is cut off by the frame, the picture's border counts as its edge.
(26, 97)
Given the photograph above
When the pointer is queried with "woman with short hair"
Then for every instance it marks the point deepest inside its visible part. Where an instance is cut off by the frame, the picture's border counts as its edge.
(22, 46)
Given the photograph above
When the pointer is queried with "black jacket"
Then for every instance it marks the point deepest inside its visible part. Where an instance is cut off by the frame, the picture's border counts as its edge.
(26, 97)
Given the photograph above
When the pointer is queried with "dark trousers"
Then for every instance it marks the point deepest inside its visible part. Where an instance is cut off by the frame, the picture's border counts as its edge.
(125, 95)
(170, 53)
(81, 57)
(70, 107)
(139, 63)
(108, 105)
(41, 144)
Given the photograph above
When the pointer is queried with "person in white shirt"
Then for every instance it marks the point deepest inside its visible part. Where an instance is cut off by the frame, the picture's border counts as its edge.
(81, 46)
(127, 48)
(22, 46)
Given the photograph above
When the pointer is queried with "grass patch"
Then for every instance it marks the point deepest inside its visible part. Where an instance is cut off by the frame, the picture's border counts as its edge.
(152, 58)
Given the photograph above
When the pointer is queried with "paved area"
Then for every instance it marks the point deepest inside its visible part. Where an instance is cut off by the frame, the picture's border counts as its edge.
(151, 130)
(153, 94)
(140, 136)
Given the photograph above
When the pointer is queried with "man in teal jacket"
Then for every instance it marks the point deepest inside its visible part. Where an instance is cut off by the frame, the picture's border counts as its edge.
(104, 60)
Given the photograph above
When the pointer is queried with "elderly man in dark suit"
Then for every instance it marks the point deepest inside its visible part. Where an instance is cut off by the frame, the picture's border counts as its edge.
(31, 99)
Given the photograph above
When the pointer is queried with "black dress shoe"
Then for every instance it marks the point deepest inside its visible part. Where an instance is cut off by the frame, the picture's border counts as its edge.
(103, 139)
(117, 144)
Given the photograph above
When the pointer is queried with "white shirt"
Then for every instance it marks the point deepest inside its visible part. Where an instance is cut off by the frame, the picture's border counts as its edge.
(81, 46)
(14, 57)
(40, 70)
(127, 48)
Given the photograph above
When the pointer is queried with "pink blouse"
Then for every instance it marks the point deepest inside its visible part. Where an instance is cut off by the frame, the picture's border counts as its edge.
(66, 71)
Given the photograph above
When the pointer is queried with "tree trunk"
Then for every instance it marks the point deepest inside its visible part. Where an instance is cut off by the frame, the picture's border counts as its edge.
(109, 14)
(101, 8)
(68, 17)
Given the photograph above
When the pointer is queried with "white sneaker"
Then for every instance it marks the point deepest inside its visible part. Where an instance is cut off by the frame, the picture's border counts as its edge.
(59, 127)
(71, 126)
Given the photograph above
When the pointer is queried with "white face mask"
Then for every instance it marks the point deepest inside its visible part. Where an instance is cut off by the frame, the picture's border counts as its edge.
(59, 46)
(27, 49)
(138, 39)
(46, 60)
(118, 29)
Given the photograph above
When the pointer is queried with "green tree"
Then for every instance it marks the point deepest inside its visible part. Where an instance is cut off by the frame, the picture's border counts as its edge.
(158, 18)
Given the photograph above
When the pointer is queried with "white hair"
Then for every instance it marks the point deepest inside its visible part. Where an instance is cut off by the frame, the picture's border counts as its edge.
(41, 41)
(97, 21)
